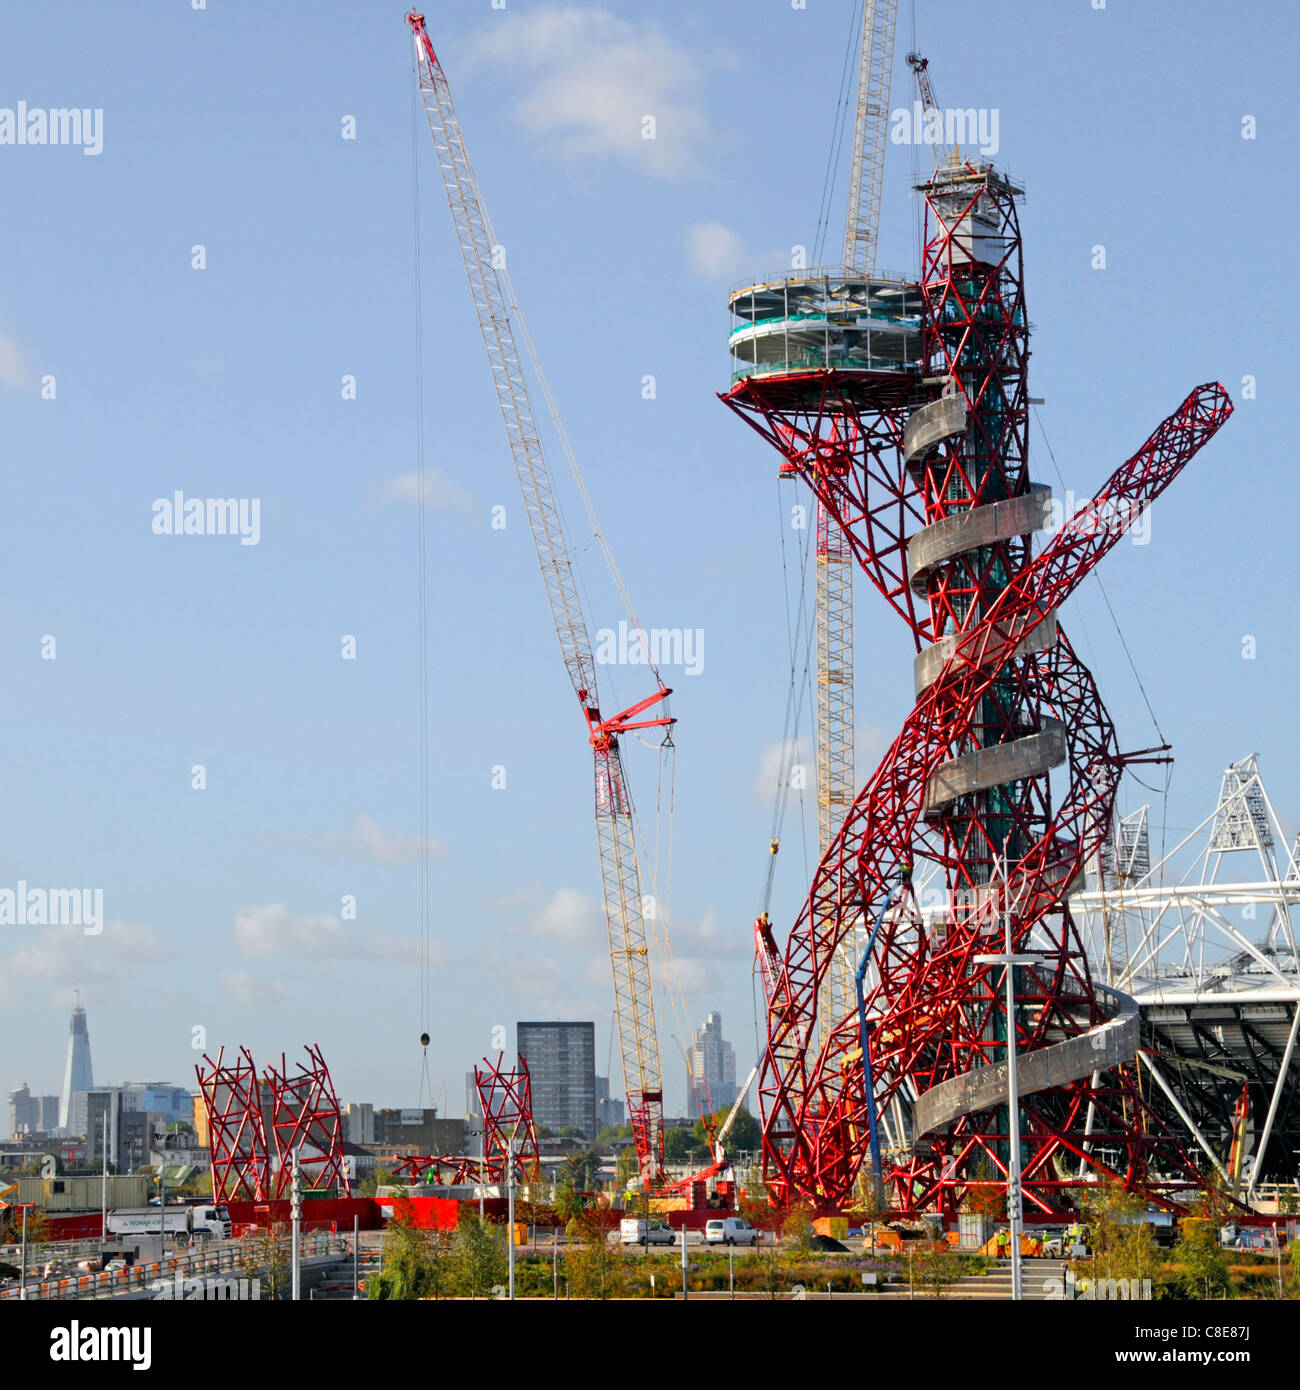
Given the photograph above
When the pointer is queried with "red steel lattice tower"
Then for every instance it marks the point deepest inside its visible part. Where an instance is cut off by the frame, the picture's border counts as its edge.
(305, 1118)
(905, 408)
(232, 1100)
(506, 1099)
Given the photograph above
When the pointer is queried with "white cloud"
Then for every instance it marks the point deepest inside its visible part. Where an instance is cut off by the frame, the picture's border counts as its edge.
(714, 250)
(870, 744)
(568, 918)
(13, 368)
(705, 939)
(441, 493)
(367, 841)
(776, 762)
(64, 958)
(273, 930)
(594, 79)
(697, 976)
(252, 991)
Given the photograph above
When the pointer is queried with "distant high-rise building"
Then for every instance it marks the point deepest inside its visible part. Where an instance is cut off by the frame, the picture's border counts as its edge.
(77, 1074)
(359, 1123)
(22, 1111)
(561, 1061)
(711, 1078)
(609, 1111)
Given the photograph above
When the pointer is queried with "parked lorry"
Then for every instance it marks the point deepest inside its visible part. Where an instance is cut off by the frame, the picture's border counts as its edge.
(204, 1221)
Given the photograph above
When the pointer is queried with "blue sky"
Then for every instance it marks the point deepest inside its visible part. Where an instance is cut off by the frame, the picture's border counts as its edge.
(222, 128)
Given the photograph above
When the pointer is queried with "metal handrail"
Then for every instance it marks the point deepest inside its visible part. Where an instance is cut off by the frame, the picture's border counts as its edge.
(825, 272)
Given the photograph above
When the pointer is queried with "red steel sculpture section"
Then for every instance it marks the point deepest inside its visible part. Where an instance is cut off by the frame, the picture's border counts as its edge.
(448, 1170)
(232, 1102)
(305, 1118)
(506, 1099)
(927, 473)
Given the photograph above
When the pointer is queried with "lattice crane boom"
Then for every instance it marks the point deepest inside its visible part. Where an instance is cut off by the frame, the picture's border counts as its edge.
(866, 175)
(620, 880)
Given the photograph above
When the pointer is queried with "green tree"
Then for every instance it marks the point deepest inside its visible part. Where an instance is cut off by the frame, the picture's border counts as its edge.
(797, 1232)
(264, 1256)
(373, 1181)
(568, 1200)
(745, 1135)
(415, 1261)
(678, 1146)
(758, 1210)
(935, 1267)
(1202, 1269)
(627, 1167)
(986, 1194)
(478, 1256)
(582, 1170)
(198, 1184)
(596, 1268)
(11, 1226)
(1122, 1242)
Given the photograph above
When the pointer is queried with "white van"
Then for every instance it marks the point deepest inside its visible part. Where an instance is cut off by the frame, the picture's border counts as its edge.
(634, 1231)
(732, 1230)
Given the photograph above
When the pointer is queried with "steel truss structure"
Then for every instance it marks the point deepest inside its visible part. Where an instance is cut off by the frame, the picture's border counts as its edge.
(924, 465)
(305, 1120)
(232, 1102)
(304, 1117)
(1211, 961)
(506, 1100)
(449, 1170)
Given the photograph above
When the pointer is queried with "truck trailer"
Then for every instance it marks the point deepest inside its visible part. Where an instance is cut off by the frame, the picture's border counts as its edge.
(203, 1221)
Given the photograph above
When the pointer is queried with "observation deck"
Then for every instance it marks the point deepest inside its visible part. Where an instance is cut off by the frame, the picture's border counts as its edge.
(811, 320)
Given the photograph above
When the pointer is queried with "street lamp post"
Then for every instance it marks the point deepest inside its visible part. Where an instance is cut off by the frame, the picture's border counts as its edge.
(685, 1263)
(103, 1190)
(510, 1214)
(22, 1278)
(295, 1217)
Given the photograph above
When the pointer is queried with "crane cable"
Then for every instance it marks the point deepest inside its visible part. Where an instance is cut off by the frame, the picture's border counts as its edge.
(422, 606)
(838, 128)
(1162, 792)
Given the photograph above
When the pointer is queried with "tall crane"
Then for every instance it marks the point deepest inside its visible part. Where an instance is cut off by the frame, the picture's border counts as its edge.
(921, 69)
(620, 880)
(836, 787)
